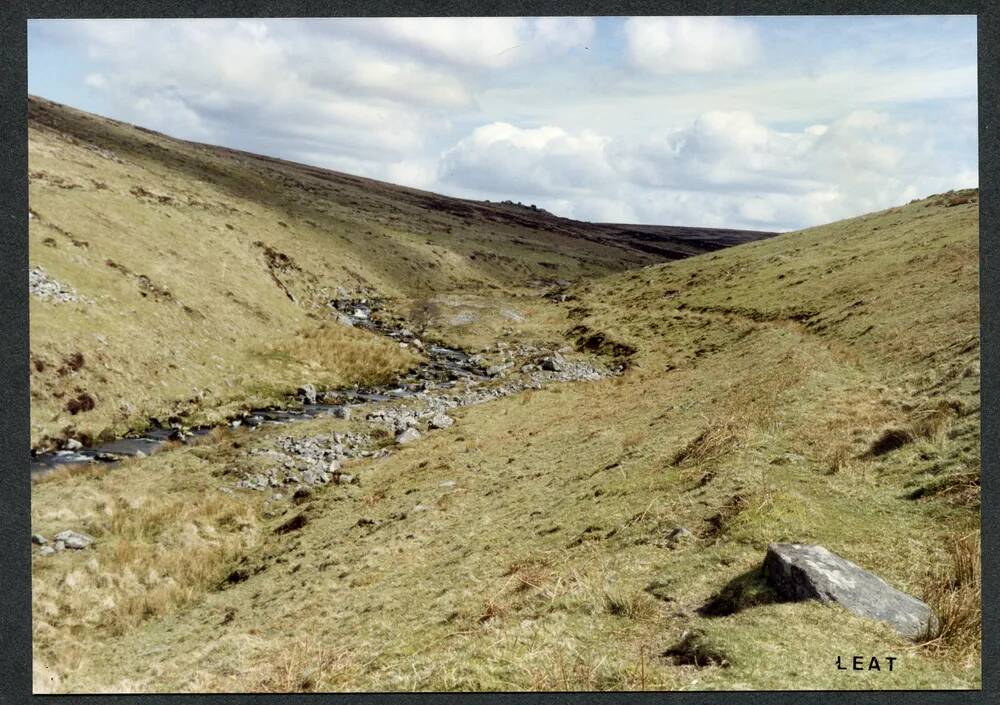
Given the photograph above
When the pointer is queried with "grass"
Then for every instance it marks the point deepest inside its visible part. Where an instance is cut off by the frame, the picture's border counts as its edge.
(206, 266)
(821, 387)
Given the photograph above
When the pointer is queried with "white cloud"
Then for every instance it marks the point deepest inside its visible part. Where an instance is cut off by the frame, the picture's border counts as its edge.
(725, 168)
(552, 110)
(542, 160)
(666, 45)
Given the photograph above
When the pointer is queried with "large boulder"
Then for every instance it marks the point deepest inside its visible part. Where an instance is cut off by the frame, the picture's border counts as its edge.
(809, 572)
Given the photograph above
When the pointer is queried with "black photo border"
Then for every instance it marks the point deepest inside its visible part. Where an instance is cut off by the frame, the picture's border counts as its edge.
(15, 487)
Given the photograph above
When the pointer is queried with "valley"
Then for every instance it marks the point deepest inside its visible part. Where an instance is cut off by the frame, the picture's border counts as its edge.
(528, 453)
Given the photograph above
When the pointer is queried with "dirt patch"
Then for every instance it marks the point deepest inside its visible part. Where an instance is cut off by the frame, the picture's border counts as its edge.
(694, 649)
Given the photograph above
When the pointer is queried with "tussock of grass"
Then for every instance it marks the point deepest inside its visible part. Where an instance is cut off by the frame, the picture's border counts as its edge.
(955, 595)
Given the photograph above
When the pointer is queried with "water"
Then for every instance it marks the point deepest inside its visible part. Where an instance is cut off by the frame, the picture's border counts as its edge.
(443, 368)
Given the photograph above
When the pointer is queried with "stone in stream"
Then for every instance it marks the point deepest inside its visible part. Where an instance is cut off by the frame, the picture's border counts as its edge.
(441, 421)
(410, 434)
(73, 539)
(72, 444)
(809, 572)
(307, 393)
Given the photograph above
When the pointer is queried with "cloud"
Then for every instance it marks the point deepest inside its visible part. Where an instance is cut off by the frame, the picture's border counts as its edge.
(542, 160)
(725, 168)
(709, 130)
(666, 45)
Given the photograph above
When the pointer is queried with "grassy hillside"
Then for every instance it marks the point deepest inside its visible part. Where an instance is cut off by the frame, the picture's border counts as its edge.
(821, 386)
(196, 272)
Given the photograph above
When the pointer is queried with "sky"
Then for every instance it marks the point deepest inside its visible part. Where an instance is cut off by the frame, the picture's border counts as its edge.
(768, 123)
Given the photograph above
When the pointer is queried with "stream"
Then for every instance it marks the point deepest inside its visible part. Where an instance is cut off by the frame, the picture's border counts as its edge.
(444, 368)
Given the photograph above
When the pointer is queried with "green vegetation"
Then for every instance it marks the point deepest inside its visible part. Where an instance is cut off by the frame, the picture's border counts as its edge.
(821, 386)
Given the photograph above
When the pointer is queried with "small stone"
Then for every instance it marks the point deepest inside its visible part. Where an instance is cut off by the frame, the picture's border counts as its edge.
(410, 434)
(59, 546)
(342, 412)
(552, 364)
(307, 393)
(39, 540)
(420, 508)
(679, 534)
(441, 421)
(448, 484)
(74, 539)
(46, 551)
(73, 444)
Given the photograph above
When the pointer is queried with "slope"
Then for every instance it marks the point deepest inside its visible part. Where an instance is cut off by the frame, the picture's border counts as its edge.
(181, 280)
(821, 386)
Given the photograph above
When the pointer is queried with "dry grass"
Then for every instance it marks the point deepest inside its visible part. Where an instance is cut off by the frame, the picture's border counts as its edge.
(357, 356)
(955, 595)
(157, 550)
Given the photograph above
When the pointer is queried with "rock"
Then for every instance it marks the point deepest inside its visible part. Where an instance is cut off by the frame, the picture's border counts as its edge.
(59, 546)
(73, 539)
(345, 479)
(679, 534)
(345, 320)
(39, 540)
(552, 364)
(410, 434)
(809, 572)
(420, 508)
(307, 393)
(342, 412)
(441, 421)
(46, 551)
(72, 444)
(448, 485)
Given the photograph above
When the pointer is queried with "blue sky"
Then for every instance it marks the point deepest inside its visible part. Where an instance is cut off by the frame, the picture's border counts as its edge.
(756, 122)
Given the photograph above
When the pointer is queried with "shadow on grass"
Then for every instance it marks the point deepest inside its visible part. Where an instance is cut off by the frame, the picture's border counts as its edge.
(748, 589)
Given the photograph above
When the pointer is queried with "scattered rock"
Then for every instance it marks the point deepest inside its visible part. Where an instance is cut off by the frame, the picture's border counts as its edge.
(72, 444)
(810, 572)
(59, 546)
(39, 540)
(73, 539)
(46, 551)
(44, 287)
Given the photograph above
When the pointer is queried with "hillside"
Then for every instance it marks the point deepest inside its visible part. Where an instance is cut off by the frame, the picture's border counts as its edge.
(821, 386)
(180, 280)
